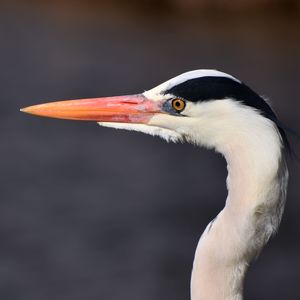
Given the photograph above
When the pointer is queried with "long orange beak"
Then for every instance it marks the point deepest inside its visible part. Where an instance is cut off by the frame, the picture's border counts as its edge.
(124, 109)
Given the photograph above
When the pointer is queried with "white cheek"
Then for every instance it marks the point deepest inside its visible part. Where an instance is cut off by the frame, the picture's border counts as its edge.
(206, 109)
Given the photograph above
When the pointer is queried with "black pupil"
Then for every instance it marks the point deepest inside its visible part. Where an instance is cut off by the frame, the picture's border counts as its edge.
(177, 103)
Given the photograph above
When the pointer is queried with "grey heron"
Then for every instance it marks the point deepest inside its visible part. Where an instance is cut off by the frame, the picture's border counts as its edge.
(212, 109)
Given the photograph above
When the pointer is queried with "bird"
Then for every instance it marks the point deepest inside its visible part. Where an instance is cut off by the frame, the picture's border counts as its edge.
(212, 109)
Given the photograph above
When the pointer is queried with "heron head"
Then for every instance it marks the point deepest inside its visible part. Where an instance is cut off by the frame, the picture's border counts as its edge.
(206, 107)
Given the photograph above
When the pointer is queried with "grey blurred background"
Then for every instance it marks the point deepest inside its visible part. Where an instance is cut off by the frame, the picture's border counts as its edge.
(93, 213)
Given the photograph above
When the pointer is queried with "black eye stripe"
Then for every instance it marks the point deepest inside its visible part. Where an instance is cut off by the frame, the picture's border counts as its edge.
(212, 88)
(205, 88)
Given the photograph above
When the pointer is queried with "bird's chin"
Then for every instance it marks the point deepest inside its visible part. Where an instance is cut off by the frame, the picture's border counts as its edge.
(166, 134)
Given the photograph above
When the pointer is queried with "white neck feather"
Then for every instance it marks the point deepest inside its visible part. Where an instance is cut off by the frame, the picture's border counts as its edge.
(257, 179)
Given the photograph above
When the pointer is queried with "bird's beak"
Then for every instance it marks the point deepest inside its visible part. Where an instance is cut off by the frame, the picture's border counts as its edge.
(122, 109)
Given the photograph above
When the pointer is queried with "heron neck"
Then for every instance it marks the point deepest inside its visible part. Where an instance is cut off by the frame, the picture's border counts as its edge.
(257, 179)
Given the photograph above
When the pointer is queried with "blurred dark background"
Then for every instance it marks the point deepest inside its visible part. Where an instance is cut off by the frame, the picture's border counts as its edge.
(93, 213)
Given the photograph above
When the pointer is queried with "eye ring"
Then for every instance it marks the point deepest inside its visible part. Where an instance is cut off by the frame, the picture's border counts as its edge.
(178, 104)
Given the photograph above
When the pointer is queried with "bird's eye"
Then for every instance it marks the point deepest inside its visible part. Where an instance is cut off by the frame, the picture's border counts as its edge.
(178, 104)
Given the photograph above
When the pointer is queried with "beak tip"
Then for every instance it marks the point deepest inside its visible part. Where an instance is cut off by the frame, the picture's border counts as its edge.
(25, 110)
